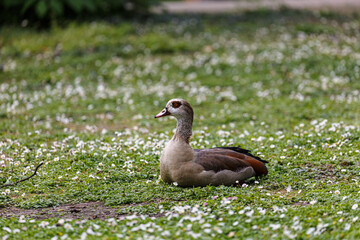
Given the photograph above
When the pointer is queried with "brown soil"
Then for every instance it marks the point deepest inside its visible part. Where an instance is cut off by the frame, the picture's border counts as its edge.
(90, 210)
(323, 171)
(301, 203)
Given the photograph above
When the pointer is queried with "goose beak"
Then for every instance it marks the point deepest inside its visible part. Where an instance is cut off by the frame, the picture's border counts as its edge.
(163, 113)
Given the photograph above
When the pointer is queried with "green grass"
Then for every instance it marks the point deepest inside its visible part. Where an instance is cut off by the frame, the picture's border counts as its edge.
(82, 98)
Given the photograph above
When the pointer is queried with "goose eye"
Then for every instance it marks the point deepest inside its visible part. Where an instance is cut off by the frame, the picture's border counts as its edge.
(176, 104)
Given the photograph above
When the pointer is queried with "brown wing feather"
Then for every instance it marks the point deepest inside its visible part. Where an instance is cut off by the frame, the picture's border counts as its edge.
(218, 159)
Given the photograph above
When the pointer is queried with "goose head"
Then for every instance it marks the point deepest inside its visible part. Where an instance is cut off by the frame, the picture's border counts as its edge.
(179, 108)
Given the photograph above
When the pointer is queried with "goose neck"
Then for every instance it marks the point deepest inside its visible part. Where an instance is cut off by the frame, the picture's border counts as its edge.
(183, 130)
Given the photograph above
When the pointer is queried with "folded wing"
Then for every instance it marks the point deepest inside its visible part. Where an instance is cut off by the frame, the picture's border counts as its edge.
(229, 158)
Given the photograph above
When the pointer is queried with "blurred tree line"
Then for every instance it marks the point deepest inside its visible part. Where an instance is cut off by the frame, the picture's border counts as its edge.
(45, 12)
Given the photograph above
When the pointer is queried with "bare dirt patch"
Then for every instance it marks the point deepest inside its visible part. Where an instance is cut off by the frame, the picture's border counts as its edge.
(89, 210)
(301, 203)
(323, 171)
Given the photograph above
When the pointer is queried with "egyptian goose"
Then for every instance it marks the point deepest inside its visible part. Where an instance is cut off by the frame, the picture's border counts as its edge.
(181, 164)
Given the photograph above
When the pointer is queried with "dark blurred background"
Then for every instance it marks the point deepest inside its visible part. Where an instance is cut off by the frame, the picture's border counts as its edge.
(47, 12)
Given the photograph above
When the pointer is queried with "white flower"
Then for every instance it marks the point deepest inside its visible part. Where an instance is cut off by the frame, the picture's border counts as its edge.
(90, 231)
(96, 226)
(165, 233)
(7, 229)
(310, 231)
(347, 226)
(43, 224)
(67, 226)
(22, 219)
(355, 206)
(274, 226)
(65, 236)
(337, 192)
(61, 221)
(7, 191)
(218, 230)
(83, 236)
(313, 202)
(175, 183)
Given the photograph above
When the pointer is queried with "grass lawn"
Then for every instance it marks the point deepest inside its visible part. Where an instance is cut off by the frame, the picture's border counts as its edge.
(82, 99)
